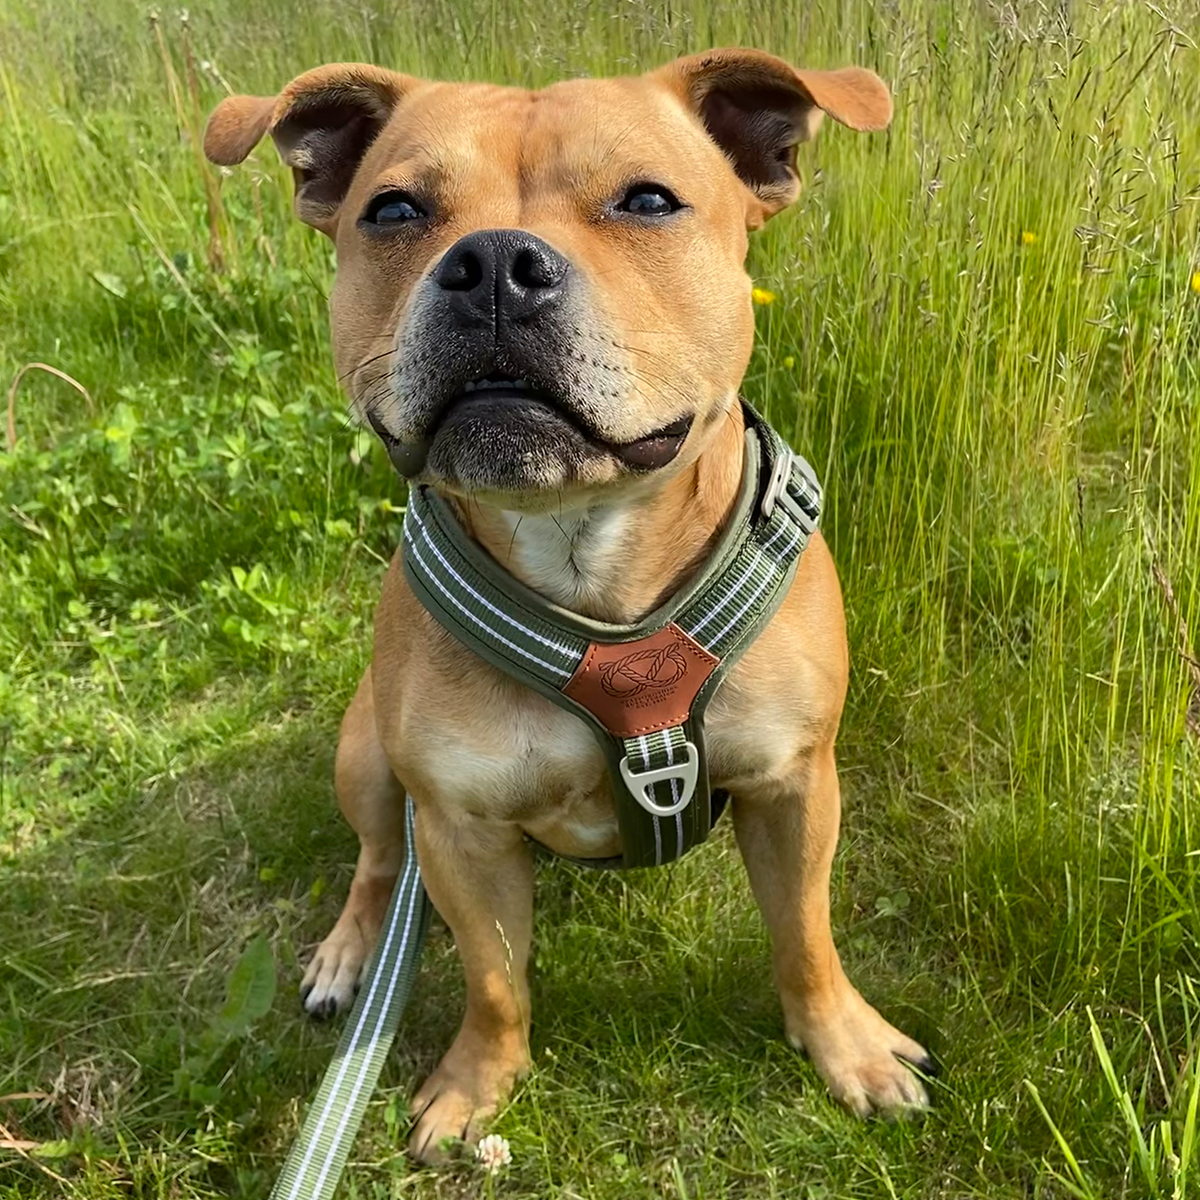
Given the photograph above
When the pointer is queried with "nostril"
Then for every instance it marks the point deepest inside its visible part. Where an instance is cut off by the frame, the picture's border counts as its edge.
(460, 271)
(538, 266)
(500, 274)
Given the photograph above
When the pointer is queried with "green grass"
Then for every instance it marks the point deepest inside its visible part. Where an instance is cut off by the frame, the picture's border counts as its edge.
(1009, 430)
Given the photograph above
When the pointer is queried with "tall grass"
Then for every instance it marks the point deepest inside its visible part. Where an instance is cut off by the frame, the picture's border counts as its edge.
(987, 337)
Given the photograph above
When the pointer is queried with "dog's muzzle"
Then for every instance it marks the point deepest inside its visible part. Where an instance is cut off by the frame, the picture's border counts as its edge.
(502, 379)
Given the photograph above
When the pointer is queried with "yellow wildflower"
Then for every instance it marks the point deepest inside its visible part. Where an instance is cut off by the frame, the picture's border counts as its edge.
(762, 296)
(1196, 283)
(789, 362)
(1028, 237)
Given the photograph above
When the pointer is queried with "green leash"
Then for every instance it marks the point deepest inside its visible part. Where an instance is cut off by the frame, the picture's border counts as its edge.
(318, 1156)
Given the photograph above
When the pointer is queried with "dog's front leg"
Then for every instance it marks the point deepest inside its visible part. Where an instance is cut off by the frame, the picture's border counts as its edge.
(787, 834)
(479, 875)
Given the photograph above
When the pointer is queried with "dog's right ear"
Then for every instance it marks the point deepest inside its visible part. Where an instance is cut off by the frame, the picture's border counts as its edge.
(322, 122)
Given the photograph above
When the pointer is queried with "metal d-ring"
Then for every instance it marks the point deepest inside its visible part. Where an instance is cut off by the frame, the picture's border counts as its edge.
(641, 783)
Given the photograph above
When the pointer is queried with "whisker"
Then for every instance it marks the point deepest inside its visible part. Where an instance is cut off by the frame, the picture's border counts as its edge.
(557, 524)
(366, 362)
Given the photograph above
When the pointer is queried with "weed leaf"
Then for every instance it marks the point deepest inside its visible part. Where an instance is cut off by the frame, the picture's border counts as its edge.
(250, 993)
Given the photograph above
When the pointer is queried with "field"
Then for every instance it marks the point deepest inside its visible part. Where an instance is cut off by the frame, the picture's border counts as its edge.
(985, 334)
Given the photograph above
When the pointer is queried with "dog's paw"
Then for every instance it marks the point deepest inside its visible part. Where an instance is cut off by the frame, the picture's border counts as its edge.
(446, 1115)
(333, 976)
(456, 1102)
(866, 1063)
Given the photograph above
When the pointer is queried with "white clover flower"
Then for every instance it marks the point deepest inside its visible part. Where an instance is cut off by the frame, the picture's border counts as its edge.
(493, 1153)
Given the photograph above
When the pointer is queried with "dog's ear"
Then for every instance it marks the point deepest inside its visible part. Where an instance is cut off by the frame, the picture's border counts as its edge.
(322, 123)
(758, 109)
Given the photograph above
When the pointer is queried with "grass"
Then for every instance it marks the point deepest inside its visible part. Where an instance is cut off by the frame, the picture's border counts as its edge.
(987, 337)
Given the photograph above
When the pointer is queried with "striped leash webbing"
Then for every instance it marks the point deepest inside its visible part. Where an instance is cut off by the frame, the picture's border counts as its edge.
(318, 1155)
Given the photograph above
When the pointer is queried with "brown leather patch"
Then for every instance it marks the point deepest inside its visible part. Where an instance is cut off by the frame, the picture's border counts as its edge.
(640, 687)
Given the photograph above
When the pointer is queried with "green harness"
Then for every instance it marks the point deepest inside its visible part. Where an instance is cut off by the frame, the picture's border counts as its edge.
(643, 689)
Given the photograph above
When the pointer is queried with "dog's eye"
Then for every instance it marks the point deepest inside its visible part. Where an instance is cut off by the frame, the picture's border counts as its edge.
(649, 200)
(393, 208)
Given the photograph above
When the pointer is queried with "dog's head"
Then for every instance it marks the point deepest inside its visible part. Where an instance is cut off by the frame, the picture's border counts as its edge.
(542, 296)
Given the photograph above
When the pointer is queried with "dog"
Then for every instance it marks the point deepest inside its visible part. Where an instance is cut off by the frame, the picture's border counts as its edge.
(541, 307)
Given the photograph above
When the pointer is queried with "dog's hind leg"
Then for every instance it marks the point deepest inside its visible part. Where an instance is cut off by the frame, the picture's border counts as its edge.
(787, 835)
(372, 800)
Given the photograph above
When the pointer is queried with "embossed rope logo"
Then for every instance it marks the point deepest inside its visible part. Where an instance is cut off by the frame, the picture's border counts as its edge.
(642, 670)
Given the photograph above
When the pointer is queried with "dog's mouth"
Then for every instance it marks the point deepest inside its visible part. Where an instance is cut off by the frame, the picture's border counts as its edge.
(491, 403)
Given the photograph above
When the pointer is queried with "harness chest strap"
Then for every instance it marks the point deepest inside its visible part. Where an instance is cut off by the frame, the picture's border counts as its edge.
(641, 688)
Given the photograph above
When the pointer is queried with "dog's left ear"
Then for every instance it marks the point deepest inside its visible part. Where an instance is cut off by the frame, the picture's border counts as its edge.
(758, 109)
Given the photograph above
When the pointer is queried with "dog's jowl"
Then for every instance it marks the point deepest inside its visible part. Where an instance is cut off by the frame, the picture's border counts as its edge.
(542, 309)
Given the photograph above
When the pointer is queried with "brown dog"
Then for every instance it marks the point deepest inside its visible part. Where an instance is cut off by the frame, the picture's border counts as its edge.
(542, 308)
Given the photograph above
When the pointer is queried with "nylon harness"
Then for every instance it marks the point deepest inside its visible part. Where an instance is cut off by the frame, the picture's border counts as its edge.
(642, 688)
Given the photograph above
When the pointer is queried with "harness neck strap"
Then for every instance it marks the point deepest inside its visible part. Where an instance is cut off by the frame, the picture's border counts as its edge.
(642, 688)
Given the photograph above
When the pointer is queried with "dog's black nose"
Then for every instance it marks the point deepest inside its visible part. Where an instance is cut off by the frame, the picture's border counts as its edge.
(501, 275)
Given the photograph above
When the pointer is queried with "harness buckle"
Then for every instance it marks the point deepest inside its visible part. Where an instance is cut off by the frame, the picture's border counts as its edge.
(807, 512)
(641, 783)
